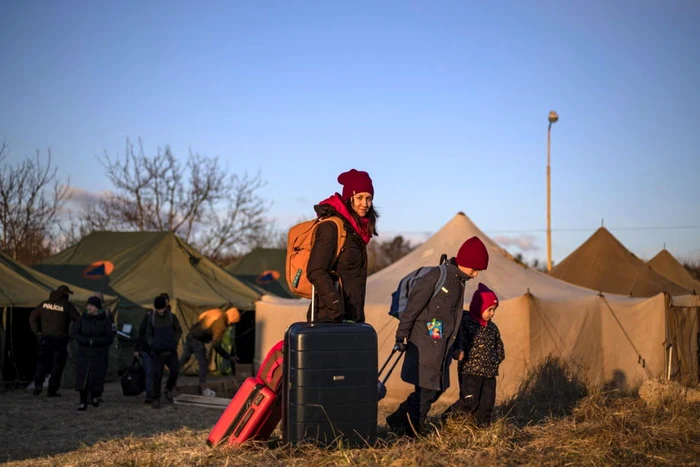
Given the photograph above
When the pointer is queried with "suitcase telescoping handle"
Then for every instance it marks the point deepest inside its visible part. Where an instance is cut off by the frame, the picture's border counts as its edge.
(393, 365)
(313, 300)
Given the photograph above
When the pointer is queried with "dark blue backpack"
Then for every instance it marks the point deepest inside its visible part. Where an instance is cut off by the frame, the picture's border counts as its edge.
(399, 298)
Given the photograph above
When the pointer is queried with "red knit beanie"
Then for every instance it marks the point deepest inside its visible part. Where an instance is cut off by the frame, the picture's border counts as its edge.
(355, 181)
(481, 300)
(473, 254)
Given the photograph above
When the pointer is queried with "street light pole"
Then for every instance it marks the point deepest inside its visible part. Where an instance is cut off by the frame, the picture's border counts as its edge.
(553, 118)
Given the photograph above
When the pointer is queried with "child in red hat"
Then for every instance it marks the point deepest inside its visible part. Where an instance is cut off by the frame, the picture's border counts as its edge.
(479, 352)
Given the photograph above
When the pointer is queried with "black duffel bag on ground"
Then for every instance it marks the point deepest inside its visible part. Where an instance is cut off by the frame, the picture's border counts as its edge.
(134, 379)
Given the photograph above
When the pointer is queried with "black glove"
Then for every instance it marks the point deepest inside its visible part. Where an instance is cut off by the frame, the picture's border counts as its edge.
(381, 390)
(400, 344)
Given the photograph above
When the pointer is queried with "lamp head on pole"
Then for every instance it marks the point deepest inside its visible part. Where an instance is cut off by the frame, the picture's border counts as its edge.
(553, 117)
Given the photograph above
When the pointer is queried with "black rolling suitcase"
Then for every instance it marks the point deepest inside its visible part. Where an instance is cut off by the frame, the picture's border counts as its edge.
(330, 384)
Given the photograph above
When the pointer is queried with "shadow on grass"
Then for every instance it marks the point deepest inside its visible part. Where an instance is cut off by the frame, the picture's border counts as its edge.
(551, 390)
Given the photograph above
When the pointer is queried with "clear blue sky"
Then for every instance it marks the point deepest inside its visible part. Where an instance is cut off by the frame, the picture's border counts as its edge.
(444, 103)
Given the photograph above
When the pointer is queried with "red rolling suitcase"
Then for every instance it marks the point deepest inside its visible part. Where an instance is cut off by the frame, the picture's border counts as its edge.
(253, 413)
(255, 410)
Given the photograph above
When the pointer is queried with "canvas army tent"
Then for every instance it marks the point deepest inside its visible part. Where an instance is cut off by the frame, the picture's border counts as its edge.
(138, 266)
(665, 264)
(23, 287)
(608, 337)
(21, 290)
(264, 268)
(603, 263)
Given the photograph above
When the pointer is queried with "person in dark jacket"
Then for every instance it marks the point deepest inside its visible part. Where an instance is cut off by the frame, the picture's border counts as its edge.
(110, 315)
(428, 329)
(163, 332)
(94, 333)
(143, 351)
(359, 217)
(210, 327)
(480, 352)
(50, 322)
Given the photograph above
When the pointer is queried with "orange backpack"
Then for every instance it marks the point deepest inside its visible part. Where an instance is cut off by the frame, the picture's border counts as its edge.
(300, 240)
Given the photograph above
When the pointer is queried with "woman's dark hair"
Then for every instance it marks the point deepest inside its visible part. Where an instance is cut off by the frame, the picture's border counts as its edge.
(372, 215)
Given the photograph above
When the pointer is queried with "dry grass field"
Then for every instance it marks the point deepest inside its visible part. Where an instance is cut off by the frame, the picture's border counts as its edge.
(552, 421)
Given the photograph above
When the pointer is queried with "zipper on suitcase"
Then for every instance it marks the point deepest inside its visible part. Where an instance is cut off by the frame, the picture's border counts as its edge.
(243, 415)
(249, 413)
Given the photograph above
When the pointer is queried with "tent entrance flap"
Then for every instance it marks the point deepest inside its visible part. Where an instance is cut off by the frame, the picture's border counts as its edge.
(683, 338)
(19, 346)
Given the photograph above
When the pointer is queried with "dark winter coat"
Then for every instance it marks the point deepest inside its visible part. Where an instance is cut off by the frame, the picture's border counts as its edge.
(163, 332)
(52, 317)
(94, 335)
(428, 357)
(351, 266)
(482, 346)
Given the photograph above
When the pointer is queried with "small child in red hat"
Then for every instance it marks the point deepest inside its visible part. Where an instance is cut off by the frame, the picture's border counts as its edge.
(479, 352)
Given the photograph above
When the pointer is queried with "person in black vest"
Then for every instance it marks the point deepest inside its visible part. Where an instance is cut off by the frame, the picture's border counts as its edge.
(163, 332)
(50, 323)
(359, 218)
(211, 326)
(94, 333)
(428, 330)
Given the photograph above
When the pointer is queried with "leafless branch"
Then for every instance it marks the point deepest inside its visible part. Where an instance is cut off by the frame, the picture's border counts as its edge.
(31, 197)
(218, 212)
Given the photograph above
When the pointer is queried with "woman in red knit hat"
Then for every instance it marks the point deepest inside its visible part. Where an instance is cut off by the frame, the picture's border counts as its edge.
(355, 207)
(428, 328)
(479, 351)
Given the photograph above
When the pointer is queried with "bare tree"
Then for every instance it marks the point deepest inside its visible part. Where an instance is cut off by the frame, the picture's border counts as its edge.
(30, 202)
(383, 254)
(271, 237)
(73, 228)
(374, 257)
(693, 267)
(395, 249)
(217, 212)
(519, 259)
(243, 223)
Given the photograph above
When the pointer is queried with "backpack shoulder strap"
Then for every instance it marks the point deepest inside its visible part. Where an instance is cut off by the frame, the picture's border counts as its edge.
(342, 234)
(441, 279)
